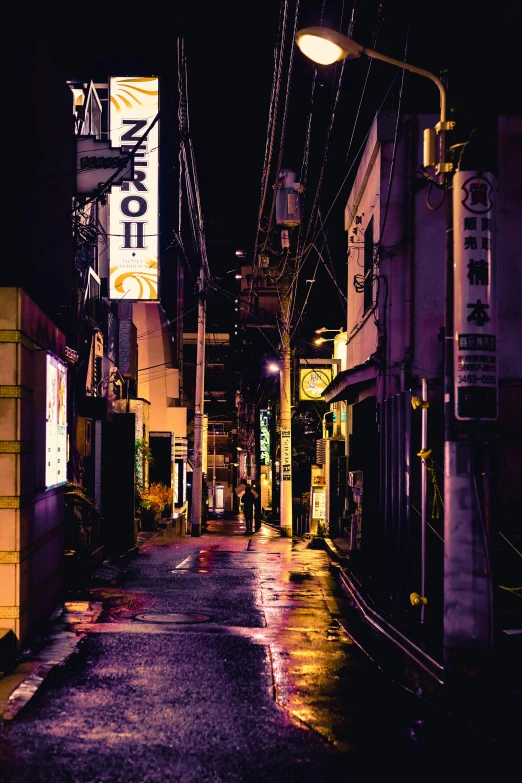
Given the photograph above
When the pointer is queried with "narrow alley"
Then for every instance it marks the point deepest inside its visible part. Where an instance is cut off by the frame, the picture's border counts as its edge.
(221, 659)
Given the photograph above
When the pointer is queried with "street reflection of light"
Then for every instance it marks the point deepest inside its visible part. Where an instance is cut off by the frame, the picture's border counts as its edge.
(309, 668)
(202, 571)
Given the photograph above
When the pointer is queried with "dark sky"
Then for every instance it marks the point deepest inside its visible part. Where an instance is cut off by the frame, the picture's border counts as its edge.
(230, 65)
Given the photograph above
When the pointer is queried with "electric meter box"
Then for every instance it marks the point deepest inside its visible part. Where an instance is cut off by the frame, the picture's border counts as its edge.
(288, 200)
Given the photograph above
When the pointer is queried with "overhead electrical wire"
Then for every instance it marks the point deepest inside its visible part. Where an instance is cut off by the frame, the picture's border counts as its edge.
(298, 320)
(272, 117)
(355, 160)
(189, 166)
(170, 321)
(312, 218)
(283, 125)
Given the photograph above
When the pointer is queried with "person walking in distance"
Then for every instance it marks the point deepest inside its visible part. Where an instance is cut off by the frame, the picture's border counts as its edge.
(249, 501)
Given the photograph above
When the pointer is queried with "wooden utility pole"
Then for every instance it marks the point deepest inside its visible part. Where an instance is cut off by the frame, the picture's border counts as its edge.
(286, 413)
(197, 476)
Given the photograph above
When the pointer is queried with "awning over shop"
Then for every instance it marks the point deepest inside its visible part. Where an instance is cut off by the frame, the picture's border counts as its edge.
(347, 384)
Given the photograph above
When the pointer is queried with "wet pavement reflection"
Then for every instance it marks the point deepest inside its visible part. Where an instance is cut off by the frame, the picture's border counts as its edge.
(225, 658)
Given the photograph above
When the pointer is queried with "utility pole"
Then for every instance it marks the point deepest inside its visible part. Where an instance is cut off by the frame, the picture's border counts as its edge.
(191, 183)
(286, 414)
(471, 406)
(197, 476)
(214, 471)
(288, 215)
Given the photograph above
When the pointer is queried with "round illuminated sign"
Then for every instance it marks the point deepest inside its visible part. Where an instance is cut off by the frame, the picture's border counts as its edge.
(313, 383)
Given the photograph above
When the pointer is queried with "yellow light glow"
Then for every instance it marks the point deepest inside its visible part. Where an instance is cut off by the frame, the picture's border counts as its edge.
(319, 49)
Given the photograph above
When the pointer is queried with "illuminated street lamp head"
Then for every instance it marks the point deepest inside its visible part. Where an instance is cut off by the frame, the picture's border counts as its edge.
(273, 367)
(325, 46)
(325, 329)
(321, 340)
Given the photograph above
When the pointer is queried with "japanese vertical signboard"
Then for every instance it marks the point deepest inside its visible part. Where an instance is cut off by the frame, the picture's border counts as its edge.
(134, 211)
(264, 421)
(286, 455)
(204, 444)
(475, 307)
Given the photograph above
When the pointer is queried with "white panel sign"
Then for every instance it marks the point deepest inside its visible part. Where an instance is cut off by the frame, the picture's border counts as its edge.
(134, 207)
(204, 444)
(475, 307)
(55, 422)
(319, 504)
(286, 455)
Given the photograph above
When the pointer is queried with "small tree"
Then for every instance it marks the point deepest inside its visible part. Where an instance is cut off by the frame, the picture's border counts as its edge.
(142, 460)
(153, 502)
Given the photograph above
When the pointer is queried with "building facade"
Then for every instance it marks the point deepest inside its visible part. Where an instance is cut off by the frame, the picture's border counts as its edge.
(396, 229)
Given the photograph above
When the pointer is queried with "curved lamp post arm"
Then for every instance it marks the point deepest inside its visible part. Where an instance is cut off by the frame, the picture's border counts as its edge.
(347, 48)
(413, 69)
(326, 46)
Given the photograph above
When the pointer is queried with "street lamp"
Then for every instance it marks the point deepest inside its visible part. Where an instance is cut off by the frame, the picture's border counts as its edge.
(321, 340)
(325, 46)
(468, 626)
(324, 329)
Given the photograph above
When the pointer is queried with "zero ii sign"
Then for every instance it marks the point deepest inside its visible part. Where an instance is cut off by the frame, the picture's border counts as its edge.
(475, 306)
(134, 209)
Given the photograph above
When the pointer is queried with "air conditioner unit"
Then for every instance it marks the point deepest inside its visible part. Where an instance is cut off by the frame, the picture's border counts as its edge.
(84, 436)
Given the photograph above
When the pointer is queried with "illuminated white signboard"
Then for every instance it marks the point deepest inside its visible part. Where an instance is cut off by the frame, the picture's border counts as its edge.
(475, 306)
(286, 455)
(204, 446)
(55, 422)
(134, 207)
(264, 420)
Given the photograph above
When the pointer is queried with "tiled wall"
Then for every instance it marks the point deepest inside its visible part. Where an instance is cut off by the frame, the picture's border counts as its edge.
(31, 517)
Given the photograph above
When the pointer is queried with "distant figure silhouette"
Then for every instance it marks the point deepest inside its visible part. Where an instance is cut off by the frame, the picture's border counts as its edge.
(249, 501)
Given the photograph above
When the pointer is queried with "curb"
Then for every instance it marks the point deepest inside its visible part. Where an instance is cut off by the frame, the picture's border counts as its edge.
(17, 687)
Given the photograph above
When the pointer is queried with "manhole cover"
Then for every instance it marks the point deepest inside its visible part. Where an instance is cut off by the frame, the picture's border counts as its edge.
(172, 618)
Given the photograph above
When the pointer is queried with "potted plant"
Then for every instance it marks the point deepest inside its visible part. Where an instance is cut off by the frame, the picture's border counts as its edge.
(153, 503)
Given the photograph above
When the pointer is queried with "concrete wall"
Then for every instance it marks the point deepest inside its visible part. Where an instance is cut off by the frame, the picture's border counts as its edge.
(412, 257)
(158, 381)
(31, 517)
(408, 288)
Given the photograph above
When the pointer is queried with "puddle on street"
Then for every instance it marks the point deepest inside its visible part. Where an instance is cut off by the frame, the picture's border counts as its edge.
(299, 576)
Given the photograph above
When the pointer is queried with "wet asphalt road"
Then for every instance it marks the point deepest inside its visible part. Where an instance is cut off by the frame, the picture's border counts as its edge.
(220, 659)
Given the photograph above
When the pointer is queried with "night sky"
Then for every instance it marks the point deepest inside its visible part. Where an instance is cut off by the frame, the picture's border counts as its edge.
(230, 66)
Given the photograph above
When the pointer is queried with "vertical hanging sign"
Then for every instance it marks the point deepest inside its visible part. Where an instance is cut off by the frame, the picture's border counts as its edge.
(134, 209)
(286, 455)
(475, 306)
(264, 438)
(204, 444)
